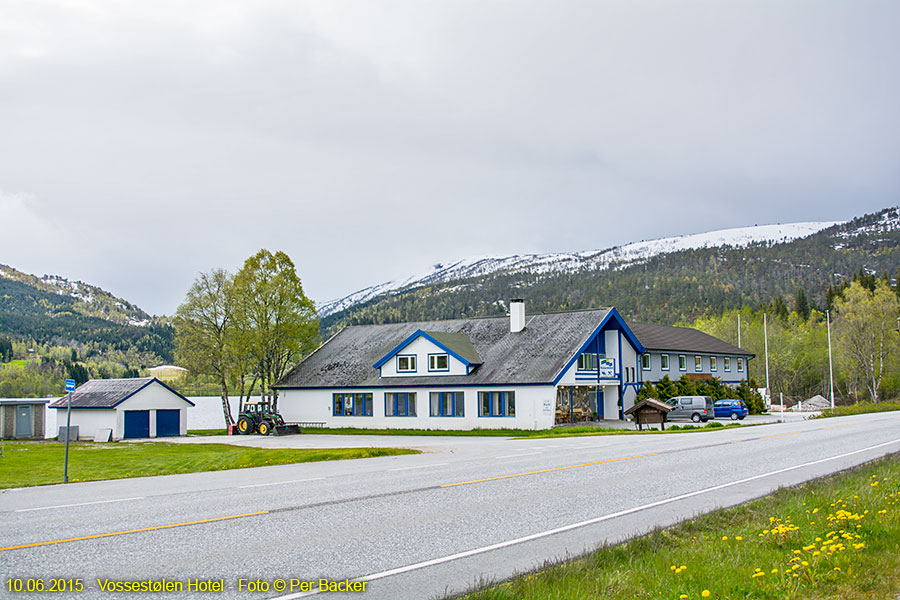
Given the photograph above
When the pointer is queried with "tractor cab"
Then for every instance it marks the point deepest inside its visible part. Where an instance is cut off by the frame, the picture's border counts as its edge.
(257, 416)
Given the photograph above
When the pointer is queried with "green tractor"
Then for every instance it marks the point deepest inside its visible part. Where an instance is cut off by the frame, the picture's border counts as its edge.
(259, 417)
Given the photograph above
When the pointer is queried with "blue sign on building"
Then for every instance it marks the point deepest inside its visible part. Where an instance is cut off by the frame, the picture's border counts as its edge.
(70, 385)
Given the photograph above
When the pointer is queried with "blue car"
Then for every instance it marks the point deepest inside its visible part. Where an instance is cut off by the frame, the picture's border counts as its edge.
(730, 409)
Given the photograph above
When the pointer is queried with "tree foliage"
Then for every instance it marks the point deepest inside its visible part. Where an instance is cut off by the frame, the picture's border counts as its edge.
(277, 323)
(865, 323)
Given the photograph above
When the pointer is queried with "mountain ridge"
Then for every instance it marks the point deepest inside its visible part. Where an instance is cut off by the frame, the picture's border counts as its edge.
(613, 257)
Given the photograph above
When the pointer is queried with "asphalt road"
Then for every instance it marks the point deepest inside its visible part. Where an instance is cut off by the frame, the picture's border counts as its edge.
(419, 526)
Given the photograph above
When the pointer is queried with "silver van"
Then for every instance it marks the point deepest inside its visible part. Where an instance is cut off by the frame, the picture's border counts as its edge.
(695, 408)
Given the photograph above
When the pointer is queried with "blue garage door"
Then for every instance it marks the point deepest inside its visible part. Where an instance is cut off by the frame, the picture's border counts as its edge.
(137, 423)
(168, 422)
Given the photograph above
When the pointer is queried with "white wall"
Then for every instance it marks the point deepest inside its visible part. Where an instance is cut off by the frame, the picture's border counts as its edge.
(316, 406)
(89, 421)
(421, 348)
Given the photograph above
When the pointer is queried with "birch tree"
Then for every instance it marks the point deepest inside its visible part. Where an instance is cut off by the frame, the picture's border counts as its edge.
(277, 322)
(864, 324)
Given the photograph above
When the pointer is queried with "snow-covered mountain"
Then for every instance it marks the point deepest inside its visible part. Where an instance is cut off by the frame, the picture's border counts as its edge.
(616, 257)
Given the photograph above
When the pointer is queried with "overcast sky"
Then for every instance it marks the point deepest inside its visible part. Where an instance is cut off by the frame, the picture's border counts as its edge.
(144, 142)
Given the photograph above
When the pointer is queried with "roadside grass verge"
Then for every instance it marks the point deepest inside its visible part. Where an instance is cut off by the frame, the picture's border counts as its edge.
(859, 408)
(510, 433)
(39, 463)
(836, 537)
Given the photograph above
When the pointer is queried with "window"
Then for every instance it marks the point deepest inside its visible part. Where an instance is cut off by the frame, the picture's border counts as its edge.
(740, 364)
(664, 362)
(645, 362)
(713, 363)
(399, 404)
(726, 362)
(587, 362)
(352, 405)
(496, 404)
(438, 362)
(448, 404)
(698, 363)
(406, 363)
(682, 362)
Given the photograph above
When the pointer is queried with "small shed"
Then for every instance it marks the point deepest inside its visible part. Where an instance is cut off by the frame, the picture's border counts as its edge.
(22, 418)
(649, 412)
(141, 407)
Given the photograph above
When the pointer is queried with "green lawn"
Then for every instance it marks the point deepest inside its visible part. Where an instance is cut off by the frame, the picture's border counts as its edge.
(517, 433)
(836, 537)
(859, 409)
(38, 463)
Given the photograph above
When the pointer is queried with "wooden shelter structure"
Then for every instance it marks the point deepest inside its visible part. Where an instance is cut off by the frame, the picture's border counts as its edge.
(649, 412)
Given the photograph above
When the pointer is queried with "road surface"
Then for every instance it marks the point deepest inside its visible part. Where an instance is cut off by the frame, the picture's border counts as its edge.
(417, 526)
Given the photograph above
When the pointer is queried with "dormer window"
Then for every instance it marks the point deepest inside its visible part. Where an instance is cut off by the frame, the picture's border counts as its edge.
(406, 363)
(438, 362)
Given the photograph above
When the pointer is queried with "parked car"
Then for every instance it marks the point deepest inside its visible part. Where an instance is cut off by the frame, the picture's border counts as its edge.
(731, 409)
(695, 408)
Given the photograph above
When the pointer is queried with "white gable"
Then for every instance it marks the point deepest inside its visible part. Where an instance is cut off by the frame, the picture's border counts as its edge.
(422, 349)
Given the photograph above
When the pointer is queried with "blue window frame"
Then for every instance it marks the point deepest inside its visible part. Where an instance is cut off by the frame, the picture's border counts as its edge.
(664, 362)
(698, 362)
(682, 362)
(713, 363)
(351, 405)
(740, 365)
(448, 404)
(438, 362)
(406, 363)
(399, 404)
(645, 362)
(496, 404)
(588, 361)
(726, 363)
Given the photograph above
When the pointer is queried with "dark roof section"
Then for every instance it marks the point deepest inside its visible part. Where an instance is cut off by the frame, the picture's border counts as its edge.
(682, 339)
(108, 393)
(459, 343)
(534, 355)
(661, 406)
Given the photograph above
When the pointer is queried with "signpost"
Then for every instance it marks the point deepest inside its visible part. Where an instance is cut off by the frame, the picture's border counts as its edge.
(70, 387)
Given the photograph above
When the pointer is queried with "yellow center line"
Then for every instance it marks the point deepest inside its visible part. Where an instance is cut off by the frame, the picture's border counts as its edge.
(846, 425)
(599, 462)
(766, 437)
(155, 528)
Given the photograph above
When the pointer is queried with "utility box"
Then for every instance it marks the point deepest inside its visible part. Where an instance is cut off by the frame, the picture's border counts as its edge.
(649, 412)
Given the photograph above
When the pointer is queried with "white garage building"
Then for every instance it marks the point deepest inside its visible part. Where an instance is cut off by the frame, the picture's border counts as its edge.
(142, 407)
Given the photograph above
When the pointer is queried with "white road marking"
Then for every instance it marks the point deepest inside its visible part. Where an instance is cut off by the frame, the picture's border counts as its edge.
(418, 467)
(517, 455)
(256, 485)
(549, 532)
(80, 504)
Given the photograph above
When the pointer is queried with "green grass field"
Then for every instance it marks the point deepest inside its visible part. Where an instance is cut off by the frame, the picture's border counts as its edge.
(39, 463)
(516, 433)
(836, 537)
(859, 409)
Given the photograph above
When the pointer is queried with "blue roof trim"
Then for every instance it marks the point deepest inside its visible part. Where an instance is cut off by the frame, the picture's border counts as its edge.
(613, 314)
(400, 386)
(417, 334)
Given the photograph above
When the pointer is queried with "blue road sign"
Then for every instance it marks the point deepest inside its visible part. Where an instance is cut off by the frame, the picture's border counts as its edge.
(70, 385)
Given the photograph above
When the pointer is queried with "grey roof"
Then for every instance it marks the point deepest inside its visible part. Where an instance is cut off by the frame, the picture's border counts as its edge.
(459, 343)
(682, 339)
(107, 393)
(534, 355)
(24, 401)
(650, 402)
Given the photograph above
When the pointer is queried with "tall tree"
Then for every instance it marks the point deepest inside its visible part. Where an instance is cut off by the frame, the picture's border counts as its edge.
(802, 304)
(866, 339)
(203, 331)
(277, 322)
